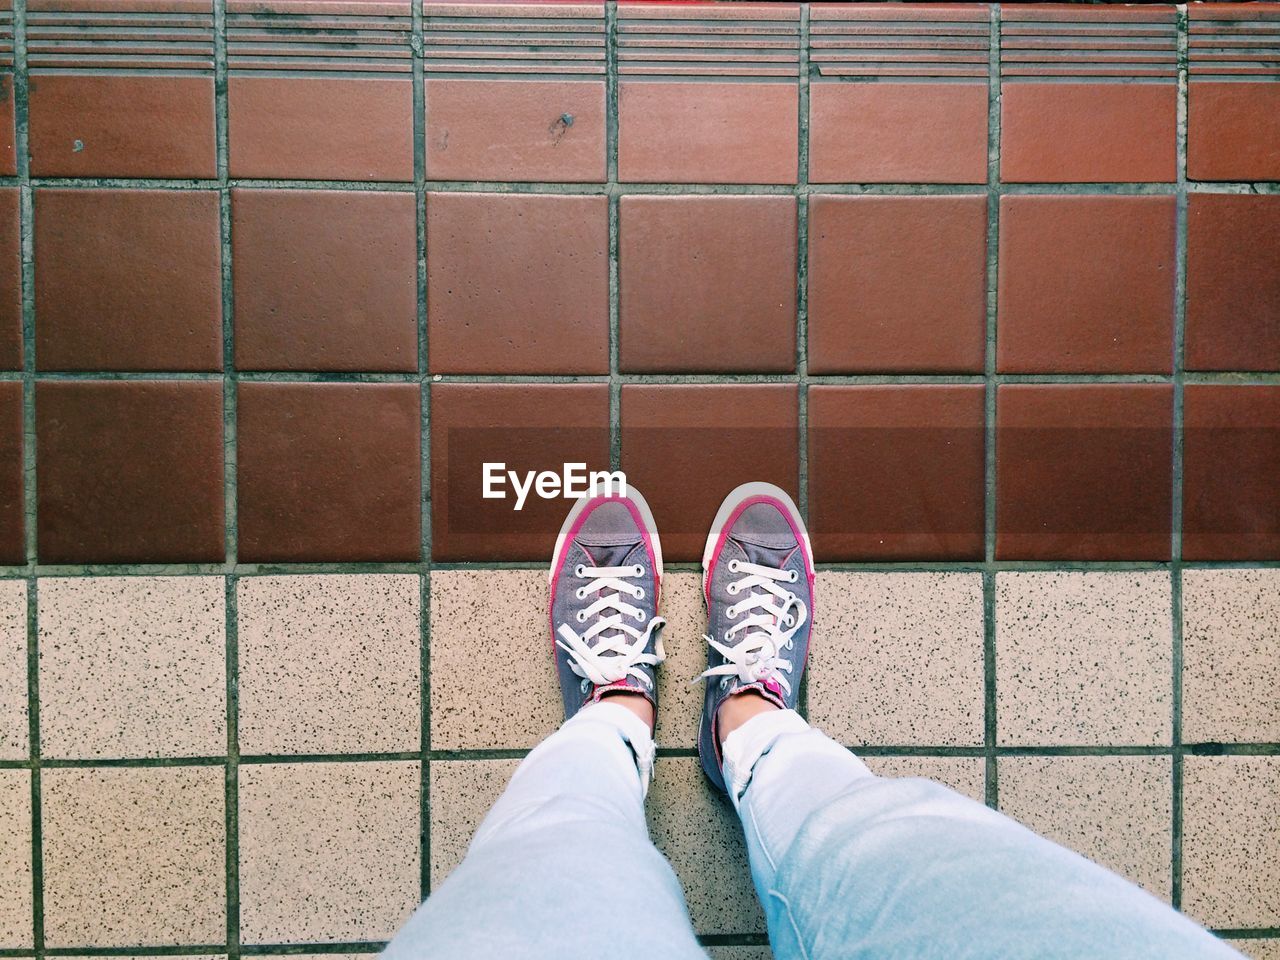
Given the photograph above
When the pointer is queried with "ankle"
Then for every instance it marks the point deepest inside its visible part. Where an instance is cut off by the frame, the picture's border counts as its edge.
(738, 709)
(637, 703)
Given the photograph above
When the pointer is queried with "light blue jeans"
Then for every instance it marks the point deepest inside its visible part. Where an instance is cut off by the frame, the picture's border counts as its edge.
(847, 864)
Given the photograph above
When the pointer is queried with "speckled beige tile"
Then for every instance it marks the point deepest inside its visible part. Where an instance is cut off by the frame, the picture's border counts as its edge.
(1265, 949)
(1084, 658)
(493, 682)
(1231, 840)
(329, 664)
(697, 830)
(329, 852)
(721, 952)
(1231, 656)
(681, 701)
(13, 670)
(134, 856)
(462, 791)
(966, 775)
(1117, 811)
(896, 658)
(15, 860)
(132, 667)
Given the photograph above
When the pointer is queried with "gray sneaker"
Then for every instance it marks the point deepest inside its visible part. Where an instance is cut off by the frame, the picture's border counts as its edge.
(605, 577)
(757, 578)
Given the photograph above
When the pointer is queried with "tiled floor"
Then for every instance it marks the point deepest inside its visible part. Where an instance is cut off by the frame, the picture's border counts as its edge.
(991, 288)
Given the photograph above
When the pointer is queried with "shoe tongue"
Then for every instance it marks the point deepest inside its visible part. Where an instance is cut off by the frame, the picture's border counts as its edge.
(765, 555)
(610, 554)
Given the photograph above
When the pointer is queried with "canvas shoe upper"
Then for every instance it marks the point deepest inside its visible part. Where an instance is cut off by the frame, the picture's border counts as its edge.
(606, 574)
(758, 584)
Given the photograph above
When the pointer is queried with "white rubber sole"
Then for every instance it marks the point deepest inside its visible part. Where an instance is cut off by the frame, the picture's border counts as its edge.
(646, 516)
(735, 499)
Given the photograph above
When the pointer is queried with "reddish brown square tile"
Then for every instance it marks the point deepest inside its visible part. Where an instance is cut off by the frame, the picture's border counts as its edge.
(897, 284)
(128, 280)
(896, 472)
(328, 471)
(1233, 282)
(540, 130)
(324, 280)
(1086, 284)
(1230, 462)
(123, 89)
(898, 133)
(685, 446)
(320, 129)
(522, 428)
(12, 506)
(78, 129)
(871, 120)
(1089, 94)
(1233, 131)
(708, 93)
(1233, 126)
(129, 472)
(515, 91)
(1084, 471)
(10, 280)
(707, 132)
(1088, 132)
(518, 283)
(708, 283)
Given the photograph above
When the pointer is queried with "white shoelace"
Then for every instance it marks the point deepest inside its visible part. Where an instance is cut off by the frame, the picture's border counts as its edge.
(619, 646)
(773, 617)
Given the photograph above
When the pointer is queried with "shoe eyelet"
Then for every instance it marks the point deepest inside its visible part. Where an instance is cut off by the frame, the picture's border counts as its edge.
(580, 593)
(733, 566)
(789, 620)
(731, 613)
(582, 616)
(585, 685)
(639, 616)
(795, 575)
(580, 571)
(732, 589)
(724, 682)
(639, 594)
(639, 570)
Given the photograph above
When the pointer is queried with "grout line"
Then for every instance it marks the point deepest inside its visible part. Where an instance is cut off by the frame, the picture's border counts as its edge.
(615, 332)
(424, 744)
(416, 567)
(34, 752)
(445, 755)
(1176, 491)
(615, 227)
(1093, 188)
(228, 377)
(802, 300)
(990, 732)
(26, 281)
(424, 453)
(232, 610)
(992, 290)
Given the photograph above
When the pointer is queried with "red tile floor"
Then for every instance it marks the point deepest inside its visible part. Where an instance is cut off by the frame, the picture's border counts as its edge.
(987, 287)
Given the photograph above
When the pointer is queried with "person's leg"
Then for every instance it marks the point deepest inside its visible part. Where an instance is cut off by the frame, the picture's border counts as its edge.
(562, 867)
(848, 865)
